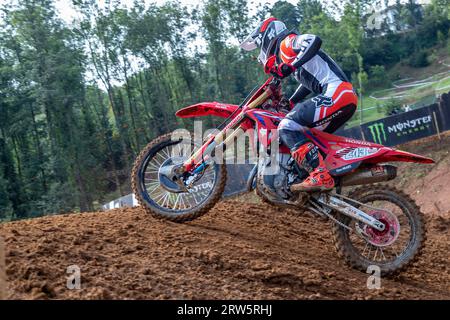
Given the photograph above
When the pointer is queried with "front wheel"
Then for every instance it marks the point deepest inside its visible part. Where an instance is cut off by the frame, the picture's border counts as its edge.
(391, 250)
(168, 203)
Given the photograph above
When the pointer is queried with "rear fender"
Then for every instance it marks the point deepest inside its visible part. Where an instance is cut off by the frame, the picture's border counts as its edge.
(400, 156)
(344, 155)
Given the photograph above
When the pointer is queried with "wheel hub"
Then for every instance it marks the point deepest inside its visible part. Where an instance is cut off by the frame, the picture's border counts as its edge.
(168, 178)
(387, 236)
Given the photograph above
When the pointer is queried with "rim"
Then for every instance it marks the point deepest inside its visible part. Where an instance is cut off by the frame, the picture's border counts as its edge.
(175, 152)
(391, 245)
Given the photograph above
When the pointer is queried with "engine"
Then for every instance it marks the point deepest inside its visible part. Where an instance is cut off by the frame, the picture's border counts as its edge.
(276, 175)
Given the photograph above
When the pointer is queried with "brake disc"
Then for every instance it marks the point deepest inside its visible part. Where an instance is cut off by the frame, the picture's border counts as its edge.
(380, 238)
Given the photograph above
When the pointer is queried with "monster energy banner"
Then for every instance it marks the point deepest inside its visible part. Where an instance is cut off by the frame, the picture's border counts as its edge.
(402, 128)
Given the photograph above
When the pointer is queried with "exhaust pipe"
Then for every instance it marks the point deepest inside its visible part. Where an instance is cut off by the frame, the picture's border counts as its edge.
(369, 175)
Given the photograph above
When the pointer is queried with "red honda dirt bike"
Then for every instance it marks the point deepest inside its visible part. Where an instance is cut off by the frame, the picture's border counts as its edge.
(372, 225)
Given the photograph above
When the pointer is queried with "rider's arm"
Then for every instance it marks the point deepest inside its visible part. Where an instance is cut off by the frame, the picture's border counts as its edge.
(299, 94)
(307, 46)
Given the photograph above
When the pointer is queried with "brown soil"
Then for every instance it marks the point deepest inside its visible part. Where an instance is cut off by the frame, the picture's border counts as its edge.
(428, 184)
(242, 249)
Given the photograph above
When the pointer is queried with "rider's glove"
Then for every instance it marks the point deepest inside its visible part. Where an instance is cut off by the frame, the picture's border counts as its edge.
(285, 105)
(284, 70)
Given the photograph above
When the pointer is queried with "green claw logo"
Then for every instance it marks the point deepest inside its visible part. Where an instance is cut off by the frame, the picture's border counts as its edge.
(378, 133)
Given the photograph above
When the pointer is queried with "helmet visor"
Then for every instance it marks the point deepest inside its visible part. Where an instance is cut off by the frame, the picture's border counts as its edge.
(249, 44)
(252, 42)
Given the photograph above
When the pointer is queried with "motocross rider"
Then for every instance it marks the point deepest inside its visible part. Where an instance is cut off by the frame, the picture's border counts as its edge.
(334, 102)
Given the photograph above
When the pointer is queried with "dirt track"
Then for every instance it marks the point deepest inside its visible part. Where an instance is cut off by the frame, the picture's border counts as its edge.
(237, 251)
(241, 250)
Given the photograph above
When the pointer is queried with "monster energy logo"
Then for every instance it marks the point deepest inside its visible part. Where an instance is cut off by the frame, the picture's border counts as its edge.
(378, 133)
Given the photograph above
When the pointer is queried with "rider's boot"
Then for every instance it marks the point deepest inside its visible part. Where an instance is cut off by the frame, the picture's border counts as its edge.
(310, 159)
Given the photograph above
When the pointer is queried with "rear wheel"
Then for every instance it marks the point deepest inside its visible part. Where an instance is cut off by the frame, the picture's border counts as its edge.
(391, 250)
(152, 192)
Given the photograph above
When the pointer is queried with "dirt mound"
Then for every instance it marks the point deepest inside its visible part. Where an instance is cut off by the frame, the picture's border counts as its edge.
(240, 250)
(428, 184)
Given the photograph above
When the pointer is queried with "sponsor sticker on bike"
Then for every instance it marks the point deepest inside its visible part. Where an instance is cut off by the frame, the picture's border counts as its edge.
(358, 153)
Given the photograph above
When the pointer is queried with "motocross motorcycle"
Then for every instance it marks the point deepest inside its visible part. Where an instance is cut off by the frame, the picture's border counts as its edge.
(375, 224)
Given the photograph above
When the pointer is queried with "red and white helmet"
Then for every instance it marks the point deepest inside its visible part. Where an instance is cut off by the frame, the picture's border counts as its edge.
(265, 37)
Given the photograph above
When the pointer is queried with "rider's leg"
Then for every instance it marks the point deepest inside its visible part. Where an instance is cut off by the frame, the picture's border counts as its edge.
(324, 113)
(308, 157)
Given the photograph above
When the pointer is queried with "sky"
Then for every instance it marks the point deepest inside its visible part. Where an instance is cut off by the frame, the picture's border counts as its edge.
(66, 11)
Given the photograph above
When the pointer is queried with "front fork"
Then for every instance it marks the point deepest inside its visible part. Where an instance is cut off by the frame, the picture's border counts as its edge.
(203, 156)
(205, 152)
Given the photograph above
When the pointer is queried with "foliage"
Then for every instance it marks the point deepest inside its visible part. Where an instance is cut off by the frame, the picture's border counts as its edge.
(377, 76)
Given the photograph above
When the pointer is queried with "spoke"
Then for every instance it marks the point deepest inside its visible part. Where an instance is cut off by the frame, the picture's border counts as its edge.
(395, 252)
(365, 248)
(182, 201)
(382, 254)
(150, 190)
(166, 153)
(166, 199)
(190, 200)
(163, 199)
(160, 197)
(161, 157)
(151, 184)
(204, 193)
(151, 179)
(153, 166)
(370, 250)
(176, 201)
(156, 160)
(375, 255)
(153, 190)
(193, 197)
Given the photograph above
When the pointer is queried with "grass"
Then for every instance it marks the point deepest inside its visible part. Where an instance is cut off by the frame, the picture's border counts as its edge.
(437, 72)
(375, 108)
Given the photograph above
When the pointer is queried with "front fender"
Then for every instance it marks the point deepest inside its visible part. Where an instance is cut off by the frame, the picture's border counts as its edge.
(203, 109)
